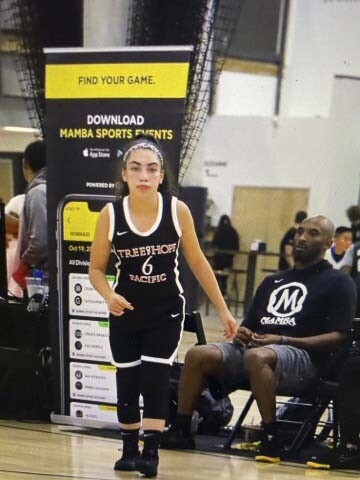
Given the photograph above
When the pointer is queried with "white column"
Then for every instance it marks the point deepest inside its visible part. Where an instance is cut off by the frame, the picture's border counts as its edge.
(105, 23)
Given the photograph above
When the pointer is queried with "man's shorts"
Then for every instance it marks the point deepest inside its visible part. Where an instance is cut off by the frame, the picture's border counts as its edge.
(294, 371)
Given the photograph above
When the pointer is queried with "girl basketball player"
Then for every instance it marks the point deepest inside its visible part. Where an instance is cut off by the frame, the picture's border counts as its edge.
(144, 229)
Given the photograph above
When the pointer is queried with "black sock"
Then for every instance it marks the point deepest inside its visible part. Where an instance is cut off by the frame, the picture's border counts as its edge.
(130, 440)
(269, 428)
(151, 443)
(183, 423)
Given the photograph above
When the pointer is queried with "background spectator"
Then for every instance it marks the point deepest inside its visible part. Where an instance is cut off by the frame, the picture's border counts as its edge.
(32, 244)
(342, 241)
(351, 264)
(286, 245)
(353, 214)
(13, 211)
(225, 238)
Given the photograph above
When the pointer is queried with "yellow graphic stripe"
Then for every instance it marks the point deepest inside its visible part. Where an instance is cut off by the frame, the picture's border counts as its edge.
(106, 367)
(109, 408)
(117, 80)
(79, 222)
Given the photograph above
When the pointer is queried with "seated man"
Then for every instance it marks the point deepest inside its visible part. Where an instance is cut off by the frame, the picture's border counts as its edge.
(297, 318)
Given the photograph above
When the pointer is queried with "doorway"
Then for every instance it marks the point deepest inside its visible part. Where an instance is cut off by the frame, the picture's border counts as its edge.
(265, 213)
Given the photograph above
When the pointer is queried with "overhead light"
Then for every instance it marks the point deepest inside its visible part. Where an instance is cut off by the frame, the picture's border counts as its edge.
(21, 129)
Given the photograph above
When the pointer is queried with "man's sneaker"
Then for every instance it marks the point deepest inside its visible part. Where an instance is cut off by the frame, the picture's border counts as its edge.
(269, 450)
(127, 463)
(177, 439)
(340, 457)
(147, 465)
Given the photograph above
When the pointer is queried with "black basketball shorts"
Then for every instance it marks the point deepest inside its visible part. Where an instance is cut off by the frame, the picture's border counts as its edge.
(150, 333)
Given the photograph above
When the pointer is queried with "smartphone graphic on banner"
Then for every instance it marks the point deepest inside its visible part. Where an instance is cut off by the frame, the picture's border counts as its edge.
(85, 370)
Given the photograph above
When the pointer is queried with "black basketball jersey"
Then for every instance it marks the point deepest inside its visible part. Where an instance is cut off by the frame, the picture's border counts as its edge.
(146, 262)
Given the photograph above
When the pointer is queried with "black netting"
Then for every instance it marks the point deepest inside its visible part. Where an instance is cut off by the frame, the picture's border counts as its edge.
(38, 24)
(207, 25)
(22, 17)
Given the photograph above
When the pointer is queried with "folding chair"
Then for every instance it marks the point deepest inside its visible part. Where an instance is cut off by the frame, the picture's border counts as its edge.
(317, 406)
(323, 396)
(193, 323)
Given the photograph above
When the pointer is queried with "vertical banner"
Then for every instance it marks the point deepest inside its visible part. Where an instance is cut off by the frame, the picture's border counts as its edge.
(96, 101)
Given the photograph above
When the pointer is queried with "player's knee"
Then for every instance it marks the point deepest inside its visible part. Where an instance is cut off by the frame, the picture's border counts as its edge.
(156, 404)
(257, 358)
(128, 412)
(203, 359)
(155, 389)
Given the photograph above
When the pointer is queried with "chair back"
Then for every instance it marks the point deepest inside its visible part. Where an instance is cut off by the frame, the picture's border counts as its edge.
(193, 323)
(338, 358)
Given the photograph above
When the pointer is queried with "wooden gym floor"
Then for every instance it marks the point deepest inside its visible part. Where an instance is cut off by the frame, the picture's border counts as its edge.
(43, 451)
(34, 451)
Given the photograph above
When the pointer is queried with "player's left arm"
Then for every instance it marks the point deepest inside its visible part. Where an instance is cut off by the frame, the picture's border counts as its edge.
(201, 268)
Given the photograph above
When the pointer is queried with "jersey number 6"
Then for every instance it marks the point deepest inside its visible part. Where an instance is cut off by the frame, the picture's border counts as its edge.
(147, 268)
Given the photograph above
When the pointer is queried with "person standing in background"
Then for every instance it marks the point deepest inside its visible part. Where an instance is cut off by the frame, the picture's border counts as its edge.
(353, 214)
(32, 243)
(286, 259)
(225, 238)
(13, 210)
